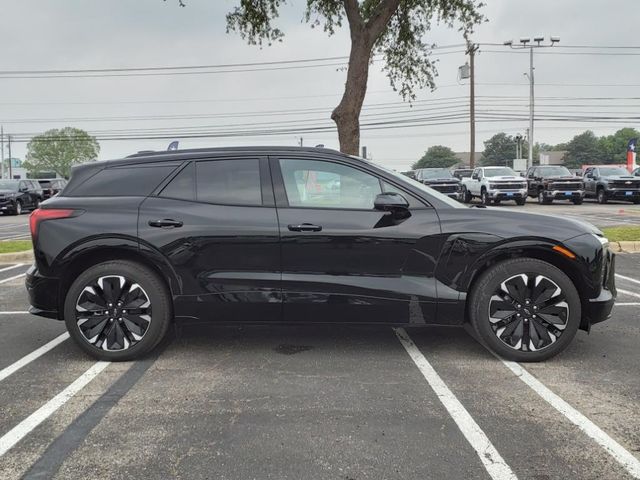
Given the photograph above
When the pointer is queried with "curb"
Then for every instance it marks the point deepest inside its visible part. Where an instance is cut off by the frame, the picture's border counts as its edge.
(25, 256)
(625, 247)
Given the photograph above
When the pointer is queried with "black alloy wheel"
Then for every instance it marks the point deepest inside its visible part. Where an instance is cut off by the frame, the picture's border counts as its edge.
(525, 309)
(602, 196)
(118, 310)
(18, 208)
(113, 313)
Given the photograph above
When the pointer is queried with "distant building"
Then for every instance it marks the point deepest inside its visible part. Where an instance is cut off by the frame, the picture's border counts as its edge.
(552, 157)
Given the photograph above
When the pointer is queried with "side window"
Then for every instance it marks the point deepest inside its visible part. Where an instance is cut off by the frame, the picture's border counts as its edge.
(183, 185)
(229, 182)
(317, 184)
(130, 180)
(21, 186)
(532, 173)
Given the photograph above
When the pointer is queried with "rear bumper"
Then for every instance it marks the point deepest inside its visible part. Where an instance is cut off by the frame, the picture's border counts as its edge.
(43, 294)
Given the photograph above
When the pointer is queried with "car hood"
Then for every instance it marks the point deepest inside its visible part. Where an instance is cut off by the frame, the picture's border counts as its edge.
(564, 177)
(7, 192)
(507, 178)
(509, 224)
(441, 180)
(621, 177)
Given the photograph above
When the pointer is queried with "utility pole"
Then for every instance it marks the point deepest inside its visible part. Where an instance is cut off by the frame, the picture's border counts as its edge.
(471, 50)
(525, 43)
(9, 142)
(301, 141)
(2, 149)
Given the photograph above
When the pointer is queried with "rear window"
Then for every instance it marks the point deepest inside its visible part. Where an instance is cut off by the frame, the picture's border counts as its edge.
(132, 180)
(230, 182)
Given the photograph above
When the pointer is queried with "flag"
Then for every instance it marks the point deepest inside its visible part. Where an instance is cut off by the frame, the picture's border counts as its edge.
(173, 146)
(631, 154)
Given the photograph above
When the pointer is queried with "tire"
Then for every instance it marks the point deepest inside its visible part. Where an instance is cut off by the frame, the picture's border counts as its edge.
(37, 204)
(496, 201)
(18, 208)
(577, 201)
(466, 196)
(636, 201)
(601, 196)
(542, 200)
(114, 334)
(484, 198)
(521, 201)
(560, 322)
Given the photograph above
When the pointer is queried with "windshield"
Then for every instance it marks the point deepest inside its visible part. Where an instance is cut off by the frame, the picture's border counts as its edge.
(8, 185)
(554, 171)
(420, 186)
(609, 171)
(499, 172)
(435, 173)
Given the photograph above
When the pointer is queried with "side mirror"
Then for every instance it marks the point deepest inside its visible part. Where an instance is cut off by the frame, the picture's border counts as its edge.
(390, 202)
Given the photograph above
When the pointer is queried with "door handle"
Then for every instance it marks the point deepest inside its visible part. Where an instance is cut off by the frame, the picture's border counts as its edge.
(165, 222)
(305, 227)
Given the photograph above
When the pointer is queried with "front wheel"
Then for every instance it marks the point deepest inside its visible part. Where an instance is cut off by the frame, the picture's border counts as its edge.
(577, 201)
(602, 196)
(18, 208)
(484, 196)
(466, 196)
(521, 201)
(118, 310)
(524, 309)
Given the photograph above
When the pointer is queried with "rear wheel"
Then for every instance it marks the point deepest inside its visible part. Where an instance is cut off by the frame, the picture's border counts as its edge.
(525, 309)
(118, 310)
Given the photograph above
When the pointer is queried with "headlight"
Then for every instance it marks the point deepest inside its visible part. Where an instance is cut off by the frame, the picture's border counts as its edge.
(604, 241)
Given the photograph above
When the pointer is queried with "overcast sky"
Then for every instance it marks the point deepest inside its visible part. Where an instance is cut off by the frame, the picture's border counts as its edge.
(80, 34)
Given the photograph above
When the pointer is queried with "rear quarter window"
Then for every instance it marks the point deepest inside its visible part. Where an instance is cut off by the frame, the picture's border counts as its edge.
(130, 180)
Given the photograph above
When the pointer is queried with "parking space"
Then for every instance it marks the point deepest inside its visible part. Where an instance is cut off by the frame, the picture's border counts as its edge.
(319, 402)
(14, 227)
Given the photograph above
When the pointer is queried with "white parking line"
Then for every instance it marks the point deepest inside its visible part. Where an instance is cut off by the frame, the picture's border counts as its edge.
(489, 456)
(11, 267)
(12, 278)
(617, 451)
(17, 312)
(627, 304)
(627, 292)
(17, 433)
(628, 279)
(37, 353)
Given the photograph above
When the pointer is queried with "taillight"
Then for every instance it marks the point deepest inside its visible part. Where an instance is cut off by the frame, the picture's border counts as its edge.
(42, 214)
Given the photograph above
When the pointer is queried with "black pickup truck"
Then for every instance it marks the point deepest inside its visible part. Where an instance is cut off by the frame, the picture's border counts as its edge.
(611, 183)
(554, 182)
(442, 180)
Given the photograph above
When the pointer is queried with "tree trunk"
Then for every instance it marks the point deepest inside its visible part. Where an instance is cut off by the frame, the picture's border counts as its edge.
(347, 113)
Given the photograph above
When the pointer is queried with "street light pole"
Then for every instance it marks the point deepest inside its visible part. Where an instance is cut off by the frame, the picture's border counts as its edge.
(523, 44)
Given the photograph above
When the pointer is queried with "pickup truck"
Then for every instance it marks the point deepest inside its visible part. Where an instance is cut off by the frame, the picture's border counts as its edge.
(440, 179)
(494, 184)
(554, 182)
(611, 183)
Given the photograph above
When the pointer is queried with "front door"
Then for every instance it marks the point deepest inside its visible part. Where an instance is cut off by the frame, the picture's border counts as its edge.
(215, 224)
(343, 261)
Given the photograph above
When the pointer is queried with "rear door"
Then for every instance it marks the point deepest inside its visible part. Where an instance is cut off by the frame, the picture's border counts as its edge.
(215, 223)
(343, 261)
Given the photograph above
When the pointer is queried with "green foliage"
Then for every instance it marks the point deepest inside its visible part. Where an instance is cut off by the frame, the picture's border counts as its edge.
(583, 149)
(500, 150)
(613, 148)
(12, 246)
(622, 234)
(395, 29)
(437, 156)
(58, 150)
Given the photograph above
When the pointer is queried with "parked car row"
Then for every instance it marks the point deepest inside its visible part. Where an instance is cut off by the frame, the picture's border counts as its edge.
(547, 183)
(17, 196)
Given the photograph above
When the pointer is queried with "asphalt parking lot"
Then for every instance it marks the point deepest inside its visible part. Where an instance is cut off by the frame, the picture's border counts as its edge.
(320, 402)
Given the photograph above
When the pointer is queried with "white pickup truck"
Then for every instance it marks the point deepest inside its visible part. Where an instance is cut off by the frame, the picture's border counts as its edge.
(494, 184)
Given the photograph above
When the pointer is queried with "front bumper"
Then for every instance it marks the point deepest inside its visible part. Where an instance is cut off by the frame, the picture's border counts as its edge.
(622, 194)
(559, 194)
(507, 194)
(43, 294)
(7, 205)
(596, 310)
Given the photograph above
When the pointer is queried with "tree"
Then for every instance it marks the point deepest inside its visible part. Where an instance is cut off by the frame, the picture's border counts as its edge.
(613, 148)
(437, 156)
(394, 29)
(58, 150)
(583, 149)
(500, 150)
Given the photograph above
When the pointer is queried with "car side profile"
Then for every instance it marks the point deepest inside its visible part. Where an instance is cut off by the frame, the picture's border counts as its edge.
(293, 235)
(17, 196)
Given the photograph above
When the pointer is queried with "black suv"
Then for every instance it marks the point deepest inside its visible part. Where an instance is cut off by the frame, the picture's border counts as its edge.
(442, 180)
(267, 235)
(19, 195)
(51, 186)
(611, 183)
(554, 182)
